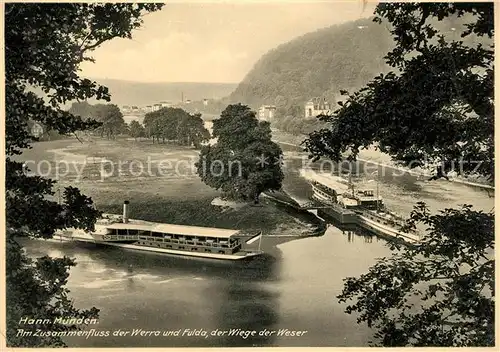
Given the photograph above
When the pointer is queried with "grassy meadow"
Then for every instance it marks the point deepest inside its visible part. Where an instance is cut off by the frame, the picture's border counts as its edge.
(160, 182)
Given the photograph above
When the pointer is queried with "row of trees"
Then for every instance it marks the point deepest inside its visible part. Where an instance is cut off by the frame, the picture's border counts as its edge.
(110, 117)
(175, 124)
(167, 124)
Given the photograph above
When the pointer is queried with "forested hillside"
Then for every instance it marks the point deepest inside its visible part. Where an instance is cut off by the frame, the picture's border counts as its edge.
(321, 63)
(317, 64)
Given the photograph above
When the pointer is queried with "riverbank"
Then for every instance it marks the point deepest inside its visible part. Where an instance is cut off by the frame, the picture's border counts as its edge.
(375, 157)
(161, 183)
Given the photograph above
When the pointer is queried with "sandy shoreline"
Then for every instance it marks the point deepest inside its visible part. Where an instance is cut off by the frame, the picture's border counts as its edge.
(375, 157)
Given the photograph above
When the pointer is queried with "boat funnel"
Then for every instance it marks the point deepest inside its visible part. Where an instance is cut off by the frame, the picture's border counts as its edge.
(125, 211)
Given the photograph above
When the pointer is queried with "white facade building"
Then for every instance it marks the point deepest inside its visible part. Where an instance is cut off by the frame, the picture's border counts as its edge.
(266, 112)
(316, 106)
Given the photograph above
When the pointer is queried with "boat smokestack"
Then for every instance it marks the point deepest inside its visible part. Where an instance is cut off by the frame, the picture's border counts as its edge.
(125, 211)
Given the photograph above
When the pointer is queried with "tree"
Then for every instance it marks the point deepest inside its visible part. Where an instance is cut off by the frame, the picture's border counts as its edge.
(178, 125)
(450, 275)
(44, 45)
(437, 107)
(152, 125)
(109, 115)
(111, 118)
(244, 162)
(82, 109)
(136, 130)
(193, 130)
(295, 111)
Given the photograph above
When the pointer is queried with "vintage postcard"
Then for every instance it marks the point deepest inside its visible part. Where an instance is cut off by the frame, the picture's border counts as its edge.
(249, 174)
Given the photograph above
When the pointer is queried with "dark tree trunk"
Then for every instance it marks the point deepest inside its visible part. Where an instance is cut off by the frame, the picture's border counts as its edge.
(256, 198)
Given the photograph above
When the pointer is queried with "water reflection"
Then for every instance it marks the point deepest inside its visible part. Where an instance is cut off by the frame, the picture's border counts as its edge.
(247, 307)
(136, 263)
(353, 234)
(138, 289)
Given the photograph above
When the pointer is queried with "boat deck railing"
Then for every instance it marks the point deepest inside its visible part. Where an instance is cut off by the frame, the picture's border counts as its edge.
(328, 190)
(392, 220)
(186, 241)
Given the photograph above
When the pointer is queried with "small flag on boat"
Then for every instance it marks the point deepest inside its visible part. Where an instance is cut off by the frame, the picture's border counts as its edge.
(254, 239)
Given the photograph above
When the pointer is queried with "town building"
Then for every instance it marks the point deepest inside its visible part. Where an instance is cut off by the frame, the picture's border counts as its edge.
(205, 102)
(266, 112)
(166, 104)
(156, 107)
(317, 106)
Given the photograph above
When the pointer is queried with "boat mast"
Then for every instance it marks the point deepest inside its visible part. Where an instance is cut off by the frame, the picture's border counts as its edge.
(351, 185)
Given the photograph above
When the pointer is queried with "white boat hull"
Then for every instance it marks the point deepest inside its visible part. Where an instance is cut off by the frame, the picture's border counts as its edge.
(388, 231)
(81, 236)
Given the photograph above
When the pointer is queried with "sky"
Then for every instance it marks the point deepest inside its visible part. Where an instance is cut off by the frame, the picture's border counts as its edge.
(213, 42)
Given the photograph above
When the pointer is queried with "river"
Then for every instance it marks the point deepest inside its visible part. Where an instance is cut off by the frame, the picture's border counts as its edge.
(292, 287)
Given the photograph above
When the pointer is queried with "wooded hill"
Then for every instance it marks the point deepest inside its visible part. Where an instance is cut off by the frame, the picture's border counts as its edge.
(317, 64)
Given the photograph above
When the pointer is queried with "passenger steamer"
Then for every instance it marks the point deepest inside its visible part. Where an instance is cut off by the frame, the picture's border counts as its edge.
(365, 208)
(120, 231)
